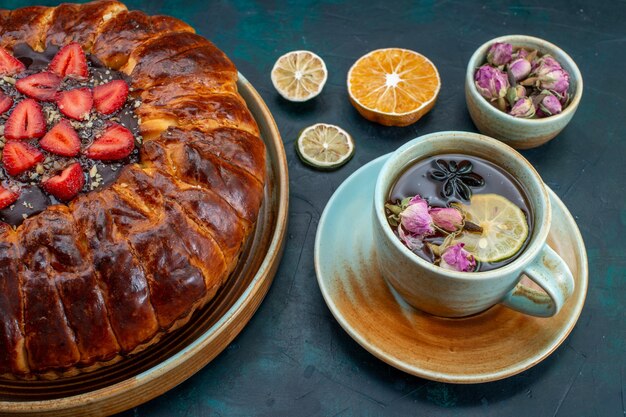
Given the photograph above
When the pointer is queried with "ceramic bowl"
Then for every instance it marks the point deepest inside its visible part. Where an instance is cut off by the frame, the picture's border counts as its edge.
(517, 132)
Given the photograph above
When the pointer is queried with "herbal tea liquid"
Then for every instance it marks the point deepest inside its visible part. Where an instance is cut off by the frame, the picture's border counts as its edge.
(433, 178)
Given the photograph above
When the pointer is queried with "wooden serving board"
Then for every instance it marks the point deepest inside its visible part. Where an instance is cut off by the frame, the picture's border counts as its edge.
(184, 352)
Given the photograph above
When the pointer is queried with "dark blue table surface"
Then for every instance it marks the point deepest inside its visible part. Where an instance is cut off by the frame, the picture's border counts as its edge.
(293, 359)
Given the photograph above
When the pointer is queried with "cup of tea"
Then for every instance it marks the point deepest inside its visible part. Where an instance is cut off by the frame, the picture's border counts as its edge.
(459, 219)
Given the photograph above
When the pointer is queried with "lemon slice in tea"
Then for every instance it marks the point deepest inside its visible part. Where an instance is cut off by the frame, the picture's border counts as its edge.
(504, 225)
(325, 146)
(299, 75)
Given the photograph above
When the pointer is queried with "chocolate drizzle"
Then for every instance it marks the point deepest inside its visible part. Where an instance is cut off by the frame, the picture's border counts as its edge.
(33, 199)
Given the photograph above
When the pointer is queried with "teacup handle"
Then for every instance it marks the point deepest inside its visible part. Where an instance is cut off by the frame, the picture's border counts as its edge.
(551, 273)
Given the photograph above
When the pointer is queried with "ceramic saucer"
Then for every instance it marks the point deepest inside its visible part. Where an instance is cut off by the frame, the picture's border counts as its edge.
(495, 344)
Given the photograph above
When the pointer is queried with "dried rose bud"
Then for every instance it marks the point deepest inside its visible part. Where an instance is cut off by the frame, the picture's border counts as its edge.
(415, 218)
(500, 53)
(520, 90)
(448, 219)
(550, 75)
(491, 82)
(550, 105)
(456, 258)
(520, 53)
(548, 60)
(413, 242)
(515, 93)
(520, 68)
(557, 80)
(523, 108)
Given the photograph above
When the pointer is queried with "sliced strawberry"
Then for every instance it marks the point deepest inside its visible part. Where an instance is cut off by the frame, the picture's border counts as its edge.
(70, 61)
(26, 121)
(7, 197)
(62, 140)
(9, 65)
(111, 96)
(116, 142)
(5, 103)
(67, 184)
(75, 103)
(18, 157)
(42, 86)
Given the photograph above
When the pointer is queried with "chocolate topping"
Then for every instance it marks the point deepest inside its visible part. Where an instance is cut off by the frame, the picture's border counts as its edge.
(33, 199)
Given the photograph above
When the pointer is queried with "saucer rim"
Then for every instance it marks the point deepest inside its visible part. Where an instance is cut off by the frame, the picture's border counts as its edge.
(380, 353)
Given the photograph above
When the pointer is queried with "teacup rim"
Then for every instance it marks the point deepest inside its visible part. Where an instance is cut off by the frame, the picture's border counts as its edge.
(479, 54)
(533, 247)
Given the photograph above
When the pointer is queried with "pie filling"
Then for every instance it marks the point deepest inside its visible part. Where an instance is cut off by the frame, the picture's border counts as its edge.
(67, 126)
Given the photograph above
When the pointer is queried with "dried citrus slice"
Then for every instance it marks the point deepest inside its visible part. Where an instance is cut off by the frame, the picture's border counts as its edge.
(325, 146)
(299, 75)
(505, 228)
(393, 86)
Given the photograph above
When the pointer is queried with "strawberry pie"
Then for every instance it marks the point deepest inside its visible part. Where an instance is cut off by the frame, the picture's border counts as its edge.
(131, 176)
(68, 127)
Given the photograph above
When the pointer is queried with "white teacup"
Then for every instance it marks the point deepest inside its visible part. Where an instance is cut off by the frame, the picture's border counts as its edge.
(447, 293)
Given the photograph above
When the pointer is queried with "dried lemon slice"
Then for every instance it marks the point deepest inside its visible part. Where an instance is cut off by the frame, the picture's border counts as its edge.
(325, 146)
(505, 228)
(299, 75)
(393, 86)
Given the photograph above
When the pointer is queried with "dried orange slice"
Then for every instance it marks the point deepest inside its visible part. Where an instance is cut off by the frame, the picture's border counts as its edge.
(393, 86)
(299, 75)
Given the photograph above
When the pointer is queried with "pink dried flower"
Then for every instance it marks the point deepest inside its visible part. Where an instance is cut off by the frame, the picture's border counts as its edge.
(491, 82)
(413, 242)
(500, 53)
(448, 219)
(550, 75)
(550, 105)
(520, 53)
(515, 93)
(456, 258)
(547, 61)
(520, 68)
(415, 218)
(523, 108)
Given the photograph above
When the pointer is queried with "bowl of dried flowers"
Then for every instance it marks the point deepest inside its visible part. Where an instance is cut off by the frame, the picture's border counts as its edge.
(522, 90)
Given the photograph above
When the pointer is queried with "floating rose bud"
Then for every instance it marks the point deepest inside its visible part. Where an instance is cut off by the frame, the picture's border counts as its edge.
(448, 219)
(523, 108)
(456, 258)
(500, 53)
(491, 82)
(550, 105)
(520, 68)
(413, 242)
(415, 218)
